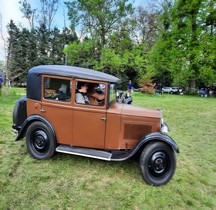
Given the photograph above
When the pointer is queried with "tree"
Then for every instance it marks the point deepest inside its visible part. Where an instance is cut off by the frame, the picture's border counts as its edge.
(82, 53)
(146, 29)
(185, 49)
(29, 48)
(44, 15)
(14, 52)
(21, 52)
(43, 48)
(57, 43)
(28, 12)
(207, 45)
(158, 57)
(48, 11)
(98, 18)
(4, 53)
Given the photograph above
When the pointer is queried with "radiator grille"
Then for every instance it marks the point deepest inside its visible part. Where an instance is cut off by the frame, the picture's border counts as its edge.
(135, 131)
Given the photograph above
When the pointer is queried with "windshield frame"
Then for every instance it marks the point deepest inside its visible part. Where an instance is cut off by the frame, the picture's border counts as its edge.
(111, 93)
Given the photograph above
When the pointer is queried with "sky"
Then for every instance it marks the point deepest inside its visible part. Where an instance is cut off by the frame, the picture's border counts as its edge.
(10, 9)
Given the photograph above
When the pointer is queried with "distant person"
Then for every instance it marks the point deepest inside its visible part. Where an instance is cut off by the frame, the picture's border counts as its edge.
(129, 86)
(81, 97)
(1, 80)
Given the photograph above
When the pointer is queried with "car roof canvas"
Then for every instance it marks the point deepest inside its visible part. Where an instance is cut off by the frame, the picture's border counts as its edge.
(72, 71)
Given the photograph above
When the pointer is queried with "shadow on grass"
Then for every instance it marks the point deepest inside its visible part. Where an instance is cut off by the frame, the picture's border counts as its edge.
(108, 167)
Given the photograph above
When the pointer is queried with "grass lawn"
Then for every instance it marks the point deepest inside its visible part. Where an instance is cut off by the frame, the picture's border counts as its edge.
(72, 182)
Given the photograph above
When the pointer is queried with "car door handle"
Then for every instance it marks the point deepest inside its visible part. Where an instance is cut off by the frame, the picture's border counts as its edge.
(43, 110)
(103, 118)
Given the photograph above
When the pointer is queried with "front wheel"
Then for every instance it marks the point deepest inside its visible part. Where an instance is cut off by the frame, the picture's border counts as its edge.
(158, 163)
(40, 141)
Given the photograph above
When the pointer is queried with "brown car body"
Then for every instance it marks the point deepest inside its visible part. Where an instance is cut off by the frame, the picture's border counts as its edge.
(108, 130)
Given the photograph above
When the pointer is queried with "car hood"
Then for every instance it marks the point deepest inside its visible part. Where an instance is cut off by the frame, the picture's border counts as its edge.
(131, 110)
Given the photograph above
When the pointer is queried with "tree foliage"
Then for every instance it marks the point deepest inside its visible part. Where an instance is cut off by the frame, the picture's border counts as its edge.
(29, 48)
(99, 18)
(28, 12)
(185, 50)
(119, 57)
(146, 25)
(173, 43)
(43, 15)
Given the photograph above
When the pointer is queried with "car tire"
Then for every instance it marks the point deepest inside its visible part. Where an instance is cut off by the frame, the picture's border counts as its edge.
(157, 163)
(40, 141)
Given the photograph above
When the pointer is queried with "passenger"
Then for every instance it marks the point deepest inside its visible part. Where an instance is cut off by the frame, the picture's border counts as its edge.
(96, 97)
(81, 97)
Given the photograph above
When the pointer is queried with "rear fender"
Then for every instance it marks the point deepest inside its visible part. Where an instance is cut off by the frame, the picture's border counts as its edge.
(19, 113)
(28, 121)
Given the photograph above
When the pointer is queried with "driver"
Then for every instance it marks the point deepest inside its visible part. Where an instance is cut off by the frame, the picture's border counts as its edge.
(95, 97)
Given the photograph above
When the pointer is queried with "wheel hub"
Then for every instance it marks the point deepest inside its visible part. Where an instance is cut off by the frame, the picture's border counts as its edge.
(40, 141)
(158, 164)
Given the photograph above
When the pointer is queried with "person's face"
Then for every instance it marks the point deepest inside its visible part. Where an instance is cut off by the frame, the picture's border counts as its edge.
(84, 88)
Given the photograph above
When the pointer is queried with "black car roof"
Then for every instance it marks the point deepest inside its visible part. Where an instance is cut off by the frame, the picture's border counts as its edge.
(73, 71)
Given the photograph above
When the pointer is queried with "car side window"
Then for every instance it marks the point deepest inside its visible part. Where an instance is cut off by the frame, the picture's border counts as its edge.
(90, 93)
(57, 89)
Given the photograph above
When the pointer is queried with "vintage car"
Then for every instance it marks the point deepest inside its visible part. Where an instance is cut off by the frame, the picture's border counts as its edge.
(53, 121)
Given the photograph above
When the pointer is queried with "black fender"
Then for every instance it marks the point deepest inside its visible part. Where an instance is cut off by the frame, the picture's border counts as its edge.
(157, 136)
(28, 121)
(161, 137)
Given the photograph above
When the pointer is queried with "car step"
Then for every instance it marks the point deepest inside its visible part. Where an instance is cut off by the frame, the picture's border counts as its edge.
(92, 153)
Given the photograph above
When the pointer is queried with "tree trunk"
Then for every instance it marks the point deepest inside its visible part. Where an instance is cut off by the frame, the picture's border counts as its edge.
(192, 88)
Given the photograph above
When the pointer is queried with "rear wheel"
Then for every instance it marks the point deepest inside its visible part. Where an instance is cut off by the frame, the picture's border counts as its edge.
(40, 141)
(158, 163)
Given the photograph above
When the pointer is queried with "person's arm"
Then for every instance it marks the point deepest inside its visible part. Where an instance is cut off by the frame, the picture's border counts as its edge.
(98, 96)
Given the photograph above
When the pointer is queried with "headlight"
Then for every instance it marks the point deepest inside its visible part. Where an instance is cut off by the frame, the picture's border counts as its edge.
(164, 127)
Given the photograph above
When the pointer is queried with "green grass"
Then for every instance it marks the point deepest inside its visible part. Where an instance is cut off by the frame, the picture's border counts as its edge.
(71, 182)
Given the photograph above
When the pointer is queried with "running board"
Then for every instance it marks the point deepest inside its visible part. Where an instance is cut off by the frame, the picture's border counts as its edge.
(92, 153)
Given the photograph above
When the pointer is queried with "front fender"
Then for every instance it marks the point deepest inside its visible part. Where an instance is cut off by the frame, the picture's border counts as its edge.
(145, 140)
(161, 137)
(28, 121)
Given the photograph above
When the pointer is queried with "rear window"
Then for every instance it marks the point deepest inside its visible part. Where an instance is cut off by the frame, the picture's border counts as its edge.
(57, 89)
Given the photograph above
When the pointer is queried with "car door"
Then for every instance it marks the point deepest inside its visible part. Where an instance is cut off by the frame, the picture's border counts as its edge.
(89, 122)
(56, 106)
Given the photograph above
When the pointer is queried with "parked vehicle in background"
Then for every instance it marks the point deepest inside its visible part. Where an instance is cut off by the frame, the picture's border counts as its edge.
(167, 90)
(135, 89)
(53, 120)
(213, 92)
(123, 98)
(175, 90)
(171, 90)
(206, 92)
(181, 91)
(203, 92)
